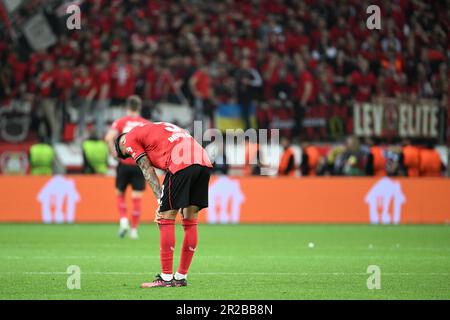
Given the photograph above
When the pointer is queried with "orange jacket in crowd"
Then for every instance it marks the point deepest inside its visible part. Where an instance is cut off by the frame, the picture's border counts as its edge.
(287, 163)
(312, 156)
(379, 162)
(411, 160)
(430, 163)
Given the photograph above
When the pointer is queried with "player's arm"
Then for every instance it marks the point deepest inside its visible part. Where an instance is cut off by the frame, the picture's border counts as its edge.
(109, 139)
(192, 85)
(150, 175)
(104, 89)
(91, 94)
(307, 93)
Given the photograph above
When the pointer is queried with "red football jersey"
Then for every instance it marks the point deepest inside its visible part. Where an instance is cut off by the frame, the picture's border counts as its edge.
(167, 146)
(125, 124)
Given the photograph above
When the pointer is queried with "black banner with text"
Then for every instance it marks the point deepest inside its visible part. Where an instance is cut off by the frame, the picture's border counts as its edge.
(395, 120)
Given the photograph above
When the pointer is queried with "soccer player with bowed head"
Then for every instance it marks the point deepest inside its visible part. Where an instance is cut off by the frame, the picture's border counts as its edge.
(184, 190)
(128, 173)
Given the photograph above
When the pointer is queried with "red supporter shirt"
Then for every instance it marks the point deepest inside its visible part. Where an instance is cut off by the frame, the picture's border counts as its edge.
(304, 78)
(63, 81)
(167, 146)
(85, 85)
(46, 79)
(123, 82)
(203, 84)
(151, 78)
(125, 124)
(19, 69)
(103, 77)
(364, 84)
(295, 42)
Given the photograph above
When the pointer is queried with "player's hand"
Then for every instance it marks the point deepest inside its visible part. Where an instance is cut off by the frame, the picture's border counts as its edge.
(157, 215)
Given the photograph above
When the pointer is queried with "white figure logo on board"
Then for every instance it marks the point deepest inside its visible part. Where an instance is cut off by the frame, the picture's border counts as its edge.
(225, 199)
(385, 201)
(58, 200)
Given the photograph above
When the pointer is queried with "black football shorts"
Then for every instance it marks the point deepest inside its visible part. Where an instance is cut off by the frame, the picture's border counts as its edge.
(129, 175)
(187, 187)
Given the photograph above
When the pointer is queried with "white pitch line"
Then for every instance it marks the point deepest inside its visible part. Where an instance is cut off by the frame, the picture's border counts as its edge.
(244, 273)
(317, 273)
(300, 256)
(304, 248)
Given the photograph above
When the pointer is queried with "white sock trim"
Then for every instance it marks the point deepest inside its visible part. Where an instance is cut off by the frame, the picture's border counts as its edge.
(167, 277)
(179, 276)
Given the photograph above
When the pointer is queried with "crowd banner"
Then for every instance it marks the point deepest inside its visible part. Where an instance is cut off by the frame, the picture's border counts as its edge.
(74, 199)
(38, 32)
(389, 118)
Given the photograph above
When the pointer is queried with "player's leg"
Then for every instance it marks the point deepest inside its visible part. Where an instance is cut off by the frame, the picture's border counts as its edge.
(198, 199)
(166, 225)
(138, 185)
(190, 239)
(176, 193)
(121, 185)
(136, 199)
(124, 224)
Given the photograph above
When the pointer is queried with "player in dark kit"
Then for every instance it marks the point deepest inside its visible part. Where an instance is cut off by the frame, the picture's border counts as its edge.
(185, 188)
(128, 173)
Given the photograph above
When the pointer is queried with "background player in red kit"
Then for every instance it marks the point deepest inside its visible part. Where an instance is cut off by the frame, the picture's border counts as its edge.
(128, 173)
(185, 188)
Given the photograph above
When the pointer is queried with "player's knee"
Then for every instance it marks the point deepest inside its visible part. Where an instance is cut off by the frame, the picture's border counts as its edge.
(190, 212)
(168, 215)
(137, 194)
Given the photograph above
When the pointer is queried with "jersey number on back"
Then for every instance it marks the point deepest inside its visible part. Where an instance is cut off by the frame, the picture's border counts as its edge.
(176, 131)
(170, 127)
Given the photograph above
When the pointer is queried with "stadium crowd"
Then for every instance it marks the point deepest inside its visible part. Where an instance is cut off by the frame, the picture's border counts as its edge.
(293, 60)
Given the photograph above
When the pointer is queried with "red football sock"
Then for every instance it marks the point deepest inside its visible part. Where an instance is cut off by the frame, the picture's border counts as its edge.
(167, 244)
(136, 213)
(121, 205)
(189, 244)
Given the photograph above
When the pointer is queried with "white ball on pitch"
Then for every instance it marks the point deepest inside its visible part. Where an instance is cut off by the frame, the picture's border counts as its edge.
(311, 245)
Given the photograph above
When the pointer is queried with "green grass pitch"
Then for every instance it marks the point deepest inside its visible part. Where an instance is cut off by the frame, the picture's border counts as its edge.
(231, 262)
